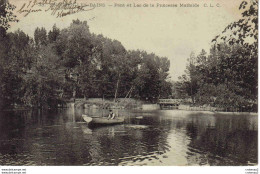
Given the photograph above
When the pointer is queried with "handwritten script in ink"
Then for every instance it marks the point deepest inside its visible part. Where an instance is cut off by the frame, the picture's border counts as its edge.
(56, 7)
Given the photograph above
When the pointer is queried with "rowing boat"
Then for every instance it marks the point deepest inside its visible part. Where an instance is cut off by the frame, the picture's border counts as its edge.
(102, 120)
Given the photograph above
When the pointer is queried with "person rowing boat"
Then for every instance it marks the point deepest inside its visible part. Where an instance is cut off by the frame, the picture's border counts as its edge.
(111, 115)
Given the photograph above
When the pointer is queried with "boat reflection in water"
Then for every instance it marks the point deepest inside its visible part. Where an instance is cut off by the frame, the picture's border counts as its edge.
(162, 137)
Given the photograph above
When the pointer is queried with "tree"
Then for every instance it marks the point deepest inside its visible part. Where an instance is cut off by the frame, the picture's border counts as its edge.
(76, 51)
(73, 62)
(40, 36)
(151, 77)
(6, 17)
(15, 62)
(43, 82)
(244, 34)
(227, 77)
(53, 34)
(190, 81)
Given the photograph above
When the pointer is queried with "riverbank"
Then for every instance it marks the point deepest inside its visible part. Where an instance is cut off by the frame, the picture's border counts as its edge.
(218, 112)
(208, 108)
(129, 103)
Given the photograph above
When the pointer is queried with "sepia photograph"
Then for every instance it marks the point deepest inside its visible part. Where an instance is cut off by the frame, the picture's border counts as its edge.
(128, 83)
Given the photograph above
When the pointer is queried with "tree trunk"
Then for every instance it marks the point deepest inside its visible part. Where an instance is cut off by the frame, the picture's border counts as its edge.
(129, 92)
(74, 92)
(117, 84)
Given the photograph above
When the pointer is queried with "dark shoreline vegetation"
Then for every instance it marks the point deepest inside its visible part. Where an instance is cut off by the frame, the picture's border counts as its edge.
(57, 65)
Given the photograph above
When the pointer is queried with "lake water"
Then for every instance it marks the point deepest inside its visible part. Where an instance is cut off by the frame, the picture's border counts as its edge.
(162, 137)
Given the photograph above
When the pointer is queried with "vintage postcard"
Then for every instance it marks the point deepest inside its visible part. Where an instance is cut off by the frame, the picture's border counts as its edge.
(128, 83)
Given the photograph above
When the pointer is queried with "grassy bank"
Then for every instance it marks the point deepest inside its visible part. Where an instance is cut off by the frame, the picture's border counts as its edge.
(217, 112)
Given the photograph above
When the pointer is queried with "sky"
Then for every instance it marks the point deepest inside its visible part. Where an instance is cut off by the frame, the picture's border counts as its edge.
(172, 32)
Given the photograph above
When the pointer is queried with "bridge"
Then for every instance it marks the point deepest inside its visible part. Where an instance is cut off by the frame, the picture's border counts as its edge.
(169, 103)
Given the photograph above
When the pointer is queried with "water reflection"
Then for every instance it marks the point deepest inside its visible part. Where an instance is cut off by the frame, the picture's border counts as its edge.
(232, 140)
(146, 138)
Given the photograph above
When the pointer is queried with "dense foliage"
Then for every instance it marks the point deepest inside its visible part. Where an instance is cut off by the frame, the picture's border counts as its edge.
(227, 76)
(61, 64)
(58, 65)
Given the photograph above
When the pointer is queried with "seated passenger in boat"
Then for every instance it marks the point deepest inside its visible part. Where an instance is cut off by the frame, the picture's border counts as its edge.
(111, 115)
